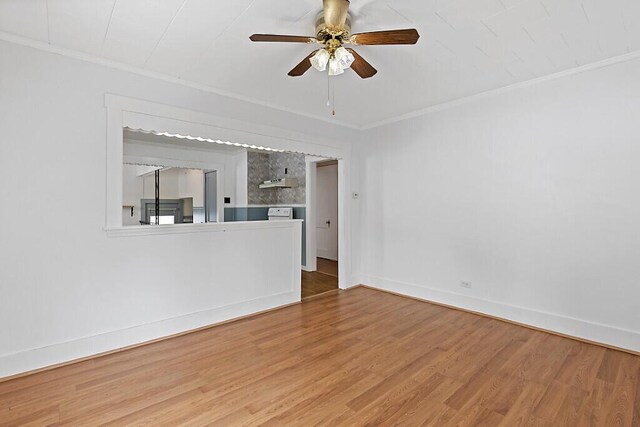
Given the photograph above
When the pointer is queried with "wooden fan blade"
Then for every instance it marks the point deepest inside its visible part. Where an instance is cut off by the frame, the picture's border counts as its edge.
(362, 67)
(409, 36)
(281, 38)
(335, 13)
(303, 66)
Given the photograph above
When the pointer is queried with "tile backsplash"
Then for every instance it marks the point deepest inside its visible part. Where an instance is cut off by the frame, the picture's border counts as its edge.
(265, 166)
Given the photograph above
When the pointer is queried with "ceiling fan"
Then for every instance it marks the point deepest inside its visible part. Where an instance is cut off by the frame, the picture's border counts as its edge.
(333, 30)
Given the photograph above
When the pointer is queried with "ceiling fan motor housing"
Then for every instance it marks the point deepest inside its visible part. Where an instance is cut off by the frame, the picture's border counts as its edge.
(323, 32)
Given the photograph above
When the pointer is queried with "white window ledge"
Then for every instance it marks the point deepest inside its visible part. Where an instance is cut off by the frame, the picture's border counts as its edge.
(152, 230)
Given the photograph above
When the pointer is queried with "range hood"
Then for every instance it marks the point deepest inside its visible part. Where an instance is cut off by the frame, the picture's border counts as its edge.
(280, 183)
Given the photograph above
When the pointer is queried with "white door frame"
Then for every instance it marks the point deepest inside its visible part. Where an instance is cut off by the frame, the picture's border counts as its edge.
(310, 226)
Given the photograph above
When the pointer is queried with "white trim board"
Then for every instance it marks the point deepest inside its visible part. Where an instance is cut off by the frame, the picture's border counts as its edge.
(322, 253)
(147, 230)
(153, 116)
(29, 360)
(578, 328)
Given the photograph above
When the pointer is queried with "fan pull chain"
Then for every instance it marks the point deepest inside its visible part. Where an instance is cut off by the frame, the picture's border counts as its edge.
(331, 95)
(328, 90)
(333, 100)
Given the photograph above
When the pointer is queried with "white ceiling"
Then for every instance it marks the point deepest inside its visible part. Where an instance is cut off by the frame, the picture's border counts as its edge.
(466, 46)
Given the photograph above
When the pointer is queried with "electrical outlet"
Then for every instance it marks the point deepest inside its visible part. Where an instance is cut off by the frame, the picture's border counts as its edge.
(466, 285)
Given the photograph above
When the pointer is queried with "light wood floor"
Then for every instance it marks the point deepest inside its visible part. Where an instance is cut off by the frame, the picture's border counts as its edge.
(327, 266)
(350, 358)
(323, 280)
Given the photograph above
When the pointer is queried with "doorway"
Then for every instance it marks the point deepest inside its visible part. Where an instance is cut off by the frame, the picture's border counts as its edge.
(327, 211)
(324, 276)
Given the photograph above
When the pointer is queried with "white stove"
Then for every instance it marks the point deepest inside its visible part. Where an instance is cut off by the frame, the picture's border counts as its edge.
(279, 214)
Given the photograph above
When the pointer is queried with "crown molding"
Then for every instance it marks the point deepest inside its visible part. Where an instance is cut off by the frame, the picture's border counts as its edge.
(69, 53)
(40, 45)
(493, 92)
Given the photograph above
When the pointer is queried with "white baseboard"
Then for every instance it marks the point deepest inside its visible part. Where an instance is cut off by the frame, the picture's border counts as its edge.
(305, 268)
(16, 363)
(323, 253)
(358, 279)
(578, 328)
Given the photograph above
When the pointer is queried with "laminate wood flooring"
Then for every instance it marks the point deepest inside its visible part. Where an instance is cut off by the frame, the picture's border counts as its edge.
(327, 266)
(357, 357)
(323, 280)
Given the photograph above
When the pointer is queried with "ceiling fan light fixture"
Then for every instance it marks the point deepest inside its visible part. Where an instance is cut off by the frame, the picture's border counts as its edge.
(320, 59)
(344, 57)
(333, 29)
(335, 67)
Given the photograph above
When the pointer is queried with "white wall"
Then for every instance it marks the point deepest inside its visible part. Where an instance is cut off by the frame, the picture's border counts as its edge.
(67, 289)
(532, 195)
(236, 172)
(191, 184)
